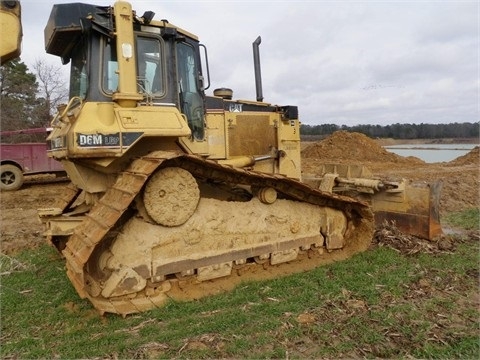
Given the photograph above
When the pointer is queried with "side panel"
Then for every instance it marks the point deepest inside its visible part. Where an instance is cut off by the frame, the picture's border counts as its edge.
(216, 136)
(107, 130)
(289, 148)
(251, 134)
(215, 144)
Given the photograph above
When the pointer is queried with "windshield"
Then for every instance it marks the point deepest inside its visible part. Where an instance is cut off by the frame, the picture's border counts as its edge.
(150, 76)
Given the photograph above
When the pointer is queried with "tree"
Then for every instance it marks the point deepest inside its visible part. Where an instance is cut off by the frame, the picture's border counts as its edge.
(18, 97)
(400, 131)
(51, 90)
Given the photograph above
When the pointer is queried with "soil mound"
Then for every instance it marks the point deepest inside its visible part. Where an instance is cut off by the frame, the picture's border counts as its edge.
(472, 157)
(344, 145)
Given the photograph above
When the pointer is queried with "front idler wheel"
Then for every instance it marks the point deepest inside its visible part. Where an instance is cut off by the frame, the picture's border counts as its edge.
(171, 196)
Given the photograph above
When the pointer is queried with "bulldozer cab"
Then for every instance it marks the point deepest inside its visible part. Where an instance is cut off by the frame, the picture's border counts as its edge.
(167, 64)
(137, 86)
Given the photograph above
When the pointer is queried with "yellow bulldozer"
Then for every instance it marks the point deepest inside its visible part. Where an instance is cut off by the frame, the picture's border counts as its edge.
(173, 189)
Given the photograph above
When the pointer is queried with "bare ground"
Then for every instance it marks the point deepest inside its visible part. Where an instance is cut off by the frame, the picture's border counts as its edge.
(21, 228)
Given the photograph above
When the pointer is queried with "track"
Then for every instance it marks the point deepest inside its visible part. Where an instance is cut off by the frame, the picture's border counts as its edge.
(183, 277)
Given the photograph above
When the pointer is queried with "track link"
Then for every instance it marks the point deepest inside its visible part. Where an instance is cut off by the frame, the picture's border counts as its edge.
(100, 222)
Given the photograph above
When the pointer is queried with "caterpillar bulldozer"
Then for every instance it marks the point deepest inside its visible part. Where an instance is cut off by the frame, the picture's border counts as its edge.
(11, 30)
(175, 192)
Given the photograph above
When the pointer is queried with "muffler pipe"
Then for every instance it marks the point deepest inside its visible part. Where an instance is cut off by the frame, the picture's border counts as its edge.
(256, 64)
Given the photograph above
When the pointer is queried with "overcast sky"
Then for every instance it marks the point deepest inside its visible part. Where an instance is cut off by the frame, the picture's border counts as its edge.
(341, 62)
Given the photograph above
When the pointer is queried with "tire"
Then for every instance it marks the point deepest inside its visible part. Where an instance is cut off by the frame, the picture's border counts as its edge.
(11, 178)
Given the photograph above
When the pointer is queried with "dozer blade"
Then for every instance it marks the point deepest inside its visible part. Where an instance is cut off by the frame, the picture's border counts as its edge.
(414, 208)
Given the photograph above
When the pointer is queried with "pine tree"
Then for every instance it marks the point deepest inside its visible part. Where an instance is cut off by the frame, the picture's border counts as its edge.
(18, 96)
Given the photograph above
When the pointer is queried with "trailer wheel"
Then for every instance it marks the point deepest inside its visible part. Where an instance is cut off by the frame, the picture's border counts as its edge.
(11, 177)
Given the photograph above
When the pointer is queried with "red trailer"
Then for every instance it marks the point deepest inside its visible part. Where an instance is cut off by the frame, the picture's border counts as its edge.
(28, 158)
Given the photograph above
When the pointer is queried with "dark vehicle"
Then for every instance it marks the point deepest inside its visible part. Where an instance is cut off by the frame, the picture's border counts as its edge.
(25, 158)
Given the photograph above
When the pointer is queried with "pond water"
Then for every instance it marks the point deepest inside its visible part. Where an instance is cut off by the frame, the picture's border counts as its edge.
(432, 153)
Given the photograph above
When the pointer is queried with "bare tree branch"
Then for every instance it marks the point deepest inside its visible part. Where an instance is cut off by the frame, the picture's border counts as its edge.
(52, 86)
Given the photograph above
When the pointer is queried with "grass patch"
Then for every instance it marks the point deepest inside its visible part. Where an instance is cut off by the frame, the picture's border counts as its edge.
(468, 219)
(378, 304)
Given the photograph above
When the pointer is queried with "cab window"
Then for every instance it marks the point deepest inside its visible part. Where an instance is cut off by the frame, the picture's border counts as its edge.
(191, 99)
(150, 78)
(110, 68)
(78, 71)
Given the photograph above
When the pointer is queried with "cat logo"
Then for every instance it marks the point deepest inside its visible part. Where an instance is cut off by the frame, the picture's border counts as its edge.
(235, 108)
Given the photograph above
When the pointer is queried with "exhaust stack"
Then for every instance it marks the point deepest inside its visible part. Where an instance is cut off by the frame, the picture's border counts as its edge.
(258, 73)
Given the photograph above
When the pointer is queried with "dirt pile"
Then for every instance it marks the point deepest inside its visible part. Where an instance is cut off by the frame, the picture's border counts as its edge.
(472, 157)
(344, 145)
(460, 177)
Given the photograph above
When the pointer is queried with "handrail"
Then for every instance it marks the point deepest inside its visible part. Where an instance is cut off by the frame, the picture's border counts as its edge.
(58, 116)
